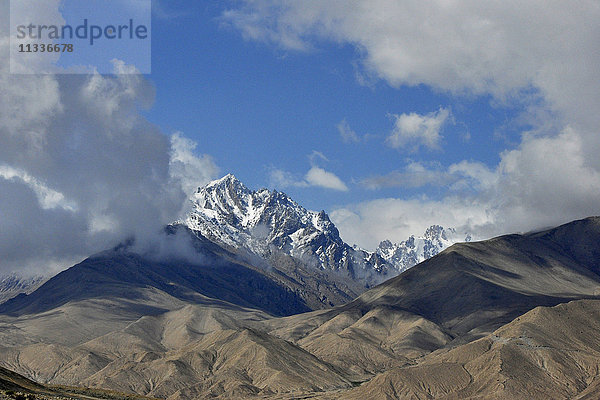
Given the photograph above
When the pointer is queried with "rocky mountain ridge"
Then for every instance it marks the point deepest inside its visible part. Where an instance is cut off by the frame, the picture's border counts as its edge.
(416, 249)
(228, 213)
(265, 222)
(273, 227)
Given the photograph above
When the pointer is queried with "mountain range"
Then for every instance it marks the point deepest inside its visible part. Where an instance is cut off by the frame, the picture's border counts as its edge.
(264, 222)
(253, 315)
(414, 250)
(269, 230)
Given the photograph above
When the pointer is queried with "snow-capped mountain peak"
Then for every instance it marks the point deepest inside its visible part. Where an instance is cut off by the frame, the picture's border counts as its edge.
(227, 212)
(418, 249)
(13, 284)
(228, 203)
(262, 222)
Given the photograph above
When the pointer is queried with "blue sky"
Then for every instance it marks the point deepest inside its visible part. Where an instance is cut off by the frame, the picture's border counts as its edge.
(256, 107)
(389, 115)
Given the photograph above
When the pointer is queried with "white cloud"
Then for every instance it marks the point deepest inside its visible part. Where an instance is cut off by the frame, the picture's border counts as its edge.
(465, 46)
(417, 130)
(190, 170)
(506, 49)
(315, 177)
(346, 133)
(81, 169)
(316, 156)
(547, 181)
(47, 197)
(281, 179)
(532, 187)
(368, 223)
(472, 175)
(319, 177)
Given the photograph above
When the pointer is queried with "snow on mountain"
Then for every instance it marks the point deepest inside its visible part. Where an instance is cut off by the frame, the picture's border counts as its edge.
(414, 250)
(227, 212)
(261, 222)
(13, 284)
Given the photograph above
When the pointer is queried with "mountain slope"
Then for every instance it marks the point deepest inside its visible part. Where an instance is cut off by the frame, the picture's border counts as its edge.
(195, 351)
(13, 385)
(499, 278)
(547, 353)
(126, 275)
(435, 331)
(226, 363)
(116, 287)
(112, 289)
(460, 295)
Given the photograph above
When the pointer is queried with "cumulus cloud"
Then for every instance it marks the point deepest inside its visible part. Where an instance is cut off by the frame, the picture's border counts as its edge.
(368, 223)
(81, 169)
(315, 177)
(471, 175)
(547, 181)
(319, 177)
(417, 130)
(190, 169)
(497, 48)
(539, 57)
(532, 187)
